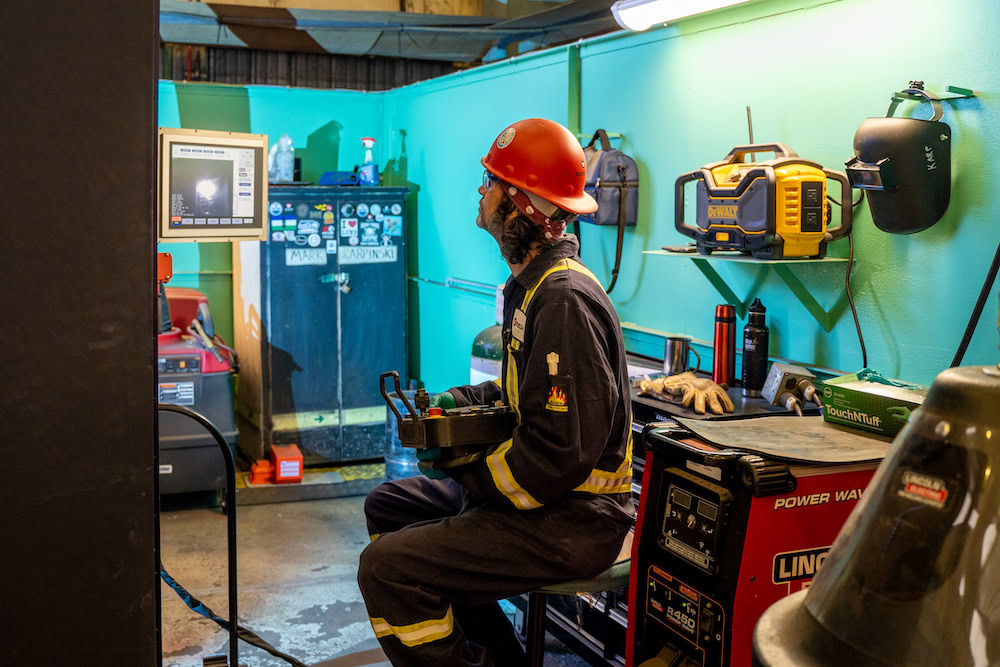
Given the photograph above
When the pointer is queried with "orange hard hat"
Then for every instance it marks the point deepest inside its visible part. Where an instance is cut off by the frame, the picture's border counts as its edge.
(544, 158)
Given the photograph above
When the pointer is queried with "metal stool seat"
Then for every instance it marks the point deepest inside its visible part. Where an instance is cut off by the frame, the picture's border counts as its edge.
(614, 577)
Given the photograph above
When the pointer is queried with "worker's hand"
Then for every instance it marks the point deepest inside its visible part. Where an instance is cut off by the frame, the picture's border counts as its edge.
(900, 413)
(445, 400)
(703, 391)
(431, 454)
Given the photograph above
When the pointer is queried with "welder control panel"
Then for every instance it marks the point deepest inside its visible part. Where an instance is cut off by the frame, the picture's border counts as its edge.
(694, 518)
(688, 613)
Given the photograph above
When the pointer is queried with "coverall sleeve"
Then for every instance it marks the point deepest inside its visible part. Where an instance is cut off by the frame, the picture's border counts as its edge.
(476, 394)
(565, 418)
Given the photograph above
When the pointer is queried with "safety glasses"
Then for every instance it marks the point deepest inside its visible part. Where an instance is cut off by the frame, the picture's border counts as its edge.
(488, 178)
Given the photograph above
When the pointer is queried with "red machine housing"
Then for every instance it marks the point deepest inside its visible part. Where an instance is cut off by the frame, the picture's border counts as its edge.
(720, 536)
(188, 374)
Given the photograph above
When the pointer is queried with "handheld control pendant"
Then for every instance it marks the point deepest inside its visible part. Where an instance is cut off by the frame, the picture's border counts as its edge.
(463, 434)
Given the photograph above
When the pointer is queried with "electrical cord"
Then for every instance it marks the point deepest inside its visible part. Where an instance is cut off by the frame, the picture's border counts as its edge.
(978, 310)
(235, 630)
(847, 282)
(247, 635)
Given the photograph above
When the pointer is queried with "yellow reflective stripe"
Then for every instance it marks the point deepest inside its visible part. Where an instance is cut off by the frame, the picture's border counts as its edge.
(416, 634)
(373, 537)
(577, 266)
(562, 265)
(513, 392)
(604, 481)
(627, 461)
(601, 481)
(559, 266)
(496, 381)
(504, 479)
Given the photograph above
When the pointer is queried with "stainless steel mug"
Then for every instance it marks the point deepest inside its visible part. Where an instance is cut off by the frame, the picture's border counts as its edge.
(675, 355)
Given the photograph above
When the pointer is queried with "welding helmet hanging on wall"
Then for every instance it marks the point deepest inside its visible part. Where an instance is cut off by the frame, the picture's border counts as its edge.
(914, 575)
(904, 165)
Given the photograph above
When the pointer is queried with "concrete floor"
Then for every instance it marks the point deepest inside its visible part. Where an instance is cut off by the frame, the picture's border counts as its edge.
(297, 583)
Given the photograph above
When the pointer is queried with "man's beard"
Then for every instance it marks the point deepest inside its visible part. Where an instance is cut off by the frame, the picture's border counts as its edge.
(494, 224)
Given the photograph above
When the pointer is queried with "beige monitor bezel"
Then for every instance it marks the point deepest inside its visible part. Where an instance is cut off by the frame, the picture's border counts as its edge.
(168, 136)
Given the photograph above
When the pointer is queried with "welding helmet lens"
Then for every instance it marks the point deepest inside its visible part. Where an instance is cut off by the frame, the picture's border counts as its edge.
(880, 175)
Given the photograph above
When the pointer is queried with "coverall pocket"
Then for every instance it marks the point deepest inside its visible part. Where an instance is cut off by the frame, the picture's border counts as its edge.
(560, 396)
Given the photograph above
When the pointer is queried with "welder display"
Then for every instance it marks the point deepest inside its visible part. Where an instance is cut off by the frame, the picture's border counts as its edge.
(212, 185)
(904, 166)
(770, 209)
(721, 533)
(914, 577)
(463, 434)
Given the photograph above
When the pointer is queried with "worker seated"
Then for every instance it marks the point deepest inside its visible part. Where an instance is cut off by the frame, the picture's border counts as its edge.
(551, 503)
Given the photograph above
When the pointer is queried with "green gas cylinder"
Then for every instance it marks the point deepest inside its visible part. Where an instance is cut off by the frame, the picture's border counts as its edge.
(487, 355)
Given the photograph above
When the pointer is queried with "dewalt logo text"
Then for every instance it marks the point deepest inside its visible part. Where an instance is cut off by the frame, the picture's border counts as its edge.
(722, 211)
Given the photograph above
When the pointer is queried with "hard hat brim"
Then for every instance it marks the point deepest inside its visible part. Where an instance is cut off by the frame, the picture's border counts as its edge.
(583, 203)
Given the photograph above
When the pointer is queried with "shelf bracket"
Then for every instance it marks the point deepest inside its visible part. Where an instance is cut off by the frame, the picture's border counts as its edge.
(801, 292)
(825, 318)
(719, 283)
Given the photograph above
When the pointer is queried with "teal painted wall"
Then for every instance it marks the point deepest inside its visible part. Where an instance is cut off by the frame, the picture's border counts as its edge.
(811, 71)
(448, 123)
(326, 127)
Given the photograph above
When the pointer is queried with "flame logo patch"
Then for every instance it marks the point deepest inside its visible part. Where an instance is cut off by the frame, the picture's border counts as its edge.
(557, 400)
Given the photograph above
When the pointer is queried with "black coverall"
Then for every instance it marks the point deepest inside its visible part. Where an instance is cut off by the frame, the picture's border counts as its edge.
(552, 503)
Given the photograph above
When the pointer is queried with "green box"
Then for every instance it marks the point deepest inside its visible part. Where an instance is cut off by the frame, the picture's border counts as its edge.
(858, 403)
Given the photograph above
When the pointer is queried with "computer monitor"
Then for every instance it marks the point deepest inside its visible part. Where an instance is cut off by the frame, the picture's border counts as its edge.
(212, 186)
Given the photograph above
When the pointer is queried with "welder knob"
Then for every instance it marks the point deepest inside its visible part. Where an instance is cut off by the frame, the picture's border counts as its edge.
(765, 478)
(691, 521)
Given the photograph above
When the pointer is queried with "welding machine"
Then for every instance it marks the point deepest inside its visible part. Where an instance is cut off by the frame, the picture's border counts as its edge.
(771, 209)
(191, 374)
(720, 535)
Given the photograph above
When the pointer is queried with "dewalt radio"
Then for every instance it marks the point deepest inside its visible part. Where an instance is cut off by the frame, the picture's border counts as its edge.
(770, 210)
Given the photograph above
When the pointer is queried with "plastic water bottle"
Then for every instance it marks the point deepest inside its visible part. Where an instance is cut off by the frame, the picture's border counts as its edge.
(281, 161)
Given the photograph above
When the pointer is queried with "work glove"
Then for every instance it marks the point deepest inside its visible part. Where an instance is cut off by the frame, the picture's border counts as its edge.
(900, 413)
(431, 454)
(690, 391)
(445, 400)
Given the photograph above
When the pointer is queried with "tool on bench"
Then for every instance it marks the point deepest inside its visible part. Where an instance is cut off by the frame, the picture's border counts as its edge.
(791, 386)
(462, 434)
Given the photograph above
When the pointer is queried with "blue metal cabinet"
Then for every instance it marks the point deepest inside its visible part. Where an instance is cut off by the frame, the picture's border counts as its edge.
(320, 312)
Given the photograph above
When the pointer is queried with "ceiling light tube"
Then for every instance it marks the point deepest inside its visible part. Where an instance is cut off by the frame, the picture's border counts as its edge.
(641, 14)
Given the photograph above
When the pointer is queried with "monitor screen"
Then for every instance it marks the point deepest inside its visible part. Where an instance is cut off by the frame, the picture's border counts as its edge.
(213, 185)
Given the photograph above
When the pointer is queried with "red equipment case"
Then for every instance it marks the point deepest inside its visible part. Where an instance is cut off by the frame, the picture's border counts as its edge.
(720, 535)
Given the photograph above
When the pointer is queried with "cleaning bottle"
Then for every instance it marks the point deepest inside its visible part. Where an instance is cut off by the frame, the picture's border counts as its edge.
(755, 340)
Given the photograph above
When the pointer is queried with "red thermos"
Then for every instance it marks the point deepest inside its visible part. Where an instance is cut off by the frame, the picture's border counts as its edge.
(724, 348)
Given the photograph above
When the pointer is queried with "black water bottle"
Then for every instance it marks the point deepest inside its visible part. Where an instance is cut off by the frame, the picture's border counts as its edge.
(755, 338)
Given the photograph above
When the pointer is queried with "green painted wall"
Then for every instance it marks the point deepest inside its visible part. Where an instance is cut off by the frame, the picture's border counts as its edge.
(326, 127)
(811, 71)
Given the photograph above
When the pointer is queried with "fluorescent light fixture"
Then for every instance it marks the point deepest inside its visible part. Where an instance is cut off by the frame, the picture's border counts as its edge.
(641, 14)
